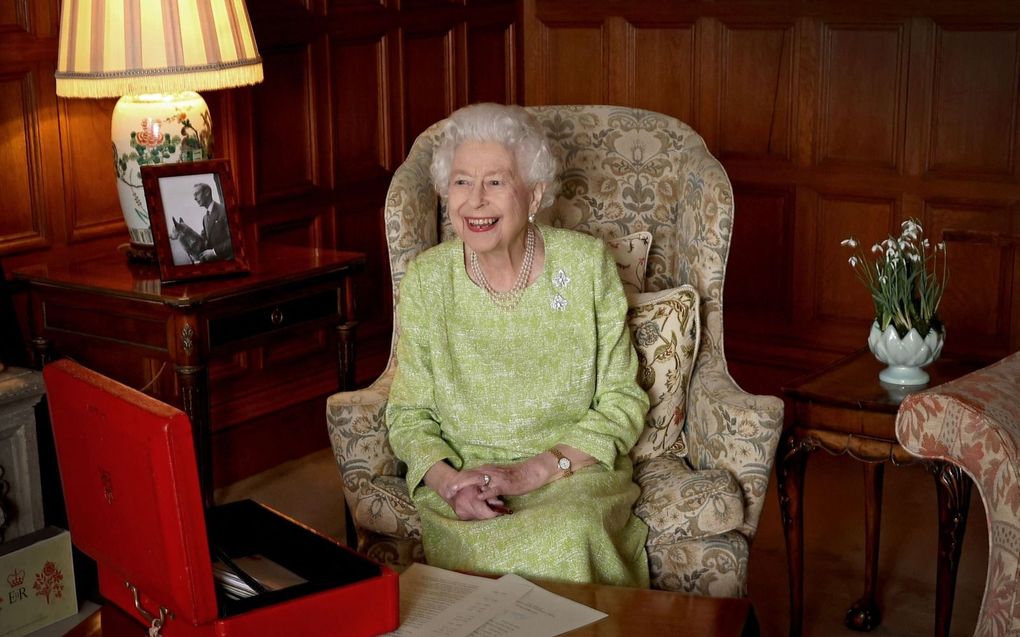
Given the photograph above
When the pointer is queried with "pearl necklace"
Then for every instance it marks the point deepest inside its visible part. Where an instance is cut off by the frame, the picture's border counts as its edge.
(506, 301)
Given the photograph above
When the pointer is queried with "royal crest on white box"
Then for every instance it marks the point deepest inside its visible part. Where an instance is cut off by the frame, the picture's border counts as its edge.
(36, 581)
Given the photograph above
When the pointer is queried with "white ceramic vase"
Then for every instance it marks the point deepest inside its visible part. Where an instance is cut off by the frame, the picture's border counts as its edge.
(152, 130)
(904, 356)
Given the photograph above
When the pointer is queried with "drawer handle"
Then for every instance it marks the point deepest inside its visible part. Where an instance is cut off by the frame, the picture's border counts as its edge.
(276, 317)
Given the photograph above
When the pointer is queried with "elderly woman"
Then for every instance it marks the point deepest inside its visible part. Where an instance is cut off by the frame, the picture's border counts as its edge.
(515, 402)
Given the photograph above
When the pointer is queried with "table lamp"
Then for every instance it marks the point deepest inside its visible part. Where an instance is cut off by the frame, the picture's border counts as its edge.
(154, 55)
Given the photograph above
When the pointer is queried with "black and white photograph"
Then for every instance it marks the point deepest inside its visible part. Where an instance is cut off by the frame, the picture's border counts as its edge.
(194, 221)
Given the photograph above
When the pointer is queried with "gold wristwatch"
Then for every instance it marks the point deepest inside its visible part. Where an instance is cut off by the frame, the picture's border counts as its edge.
(562, 462)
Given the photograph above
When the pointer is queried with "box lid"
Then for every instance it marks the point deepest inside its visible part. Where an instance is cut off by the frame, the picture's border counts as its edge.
(127, 465)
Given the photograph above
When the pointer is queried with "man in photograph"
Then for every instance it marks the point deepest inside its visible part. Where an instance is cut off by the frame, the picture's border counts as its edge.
(215, 229)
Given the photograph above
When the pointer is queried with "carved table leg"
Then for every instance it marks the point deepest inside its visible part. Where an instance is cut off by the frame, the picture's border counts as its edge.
(790, 482)
(953, 489)
(865, 615)
(345, 354)
(42, 348)
(195, 402)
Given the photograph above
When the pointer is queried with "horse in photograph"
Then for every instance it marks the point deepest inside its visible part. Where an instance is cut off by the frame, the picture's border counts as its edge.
(189, 238)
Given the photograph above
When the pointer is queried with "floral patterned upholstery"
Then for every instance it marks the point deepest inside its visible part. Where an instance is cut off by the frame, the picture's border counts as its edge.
(665, 331)
(623, 170)
(974, 423)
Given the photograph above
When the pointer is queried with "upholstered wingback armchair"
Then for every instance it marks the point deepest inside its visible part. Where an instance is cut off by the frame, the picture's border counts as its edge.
(622, 170)
(974, 423)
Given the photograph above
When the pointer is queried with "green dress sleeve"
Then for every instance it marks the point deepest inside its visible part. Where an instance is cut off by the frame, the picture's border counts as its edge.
(617, 413)
(411, 415)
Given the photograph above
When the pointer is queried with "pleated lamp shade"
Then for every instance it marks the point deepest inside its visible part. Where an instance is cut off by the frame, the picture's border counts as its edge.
(110, 48)
(154, 55)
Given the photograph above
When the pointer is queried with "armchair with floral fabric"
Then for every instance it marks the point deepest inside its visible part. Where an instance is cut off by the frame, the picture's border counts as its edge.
(973, 423)
(622, 171)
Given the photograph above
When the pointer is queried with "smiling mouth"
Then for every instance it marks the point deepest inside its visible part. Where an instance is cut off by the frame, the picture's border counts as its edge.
(481, 224)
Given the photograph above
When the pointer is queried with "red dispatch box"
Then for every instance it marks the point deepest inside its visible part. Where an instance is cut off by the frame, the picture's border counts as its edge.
(127, 464)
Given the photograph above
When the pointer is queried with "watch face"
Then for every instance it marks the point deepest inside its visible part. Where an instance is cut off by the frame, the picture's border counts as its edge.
(564, 464)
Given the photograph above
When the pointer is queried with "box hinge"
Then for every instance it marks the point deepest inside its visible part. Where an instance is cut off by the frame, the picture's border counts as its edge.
(155, 623)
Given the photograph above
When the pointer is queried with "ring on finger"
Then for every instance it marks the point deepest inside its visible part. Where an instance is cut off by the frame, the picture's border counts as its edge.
(486, 479)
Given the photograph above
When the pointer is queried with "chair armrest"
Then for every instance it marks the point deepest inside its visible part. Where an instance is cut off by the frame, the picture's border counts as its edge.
(973, 422)
(356, 422)
(728, 428)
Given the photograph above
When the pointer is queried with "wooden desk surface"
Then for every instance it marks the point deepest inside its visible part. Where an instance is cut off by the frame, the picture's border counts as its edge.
(853, 382)
(634, 611)
(631, 611)
(113, 274)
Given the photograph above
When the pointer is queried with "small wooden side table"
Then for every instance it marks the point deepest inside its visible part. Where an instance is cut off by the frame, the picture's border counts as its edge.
(845, 410)
(118, 318)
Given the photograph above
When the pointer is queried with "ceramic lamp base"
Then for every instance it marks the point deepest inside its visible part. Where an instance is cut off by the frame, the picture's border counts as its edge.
(151, 130)
(902, 375)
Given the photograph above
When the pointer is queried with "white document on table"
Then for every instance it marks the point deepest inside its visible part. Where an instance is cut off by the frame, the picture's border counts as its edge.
(538, 613)
(435, 602)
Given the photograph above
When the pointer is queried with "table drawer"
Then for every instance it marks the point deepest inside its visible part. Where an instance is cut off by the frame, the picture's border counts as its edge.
(269, 318)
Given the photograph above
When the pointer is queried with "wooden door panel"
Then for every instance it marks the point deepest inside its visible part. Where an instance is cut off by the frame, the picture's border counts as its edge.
(19, 154)
(570, 54)
(428, 80)
(490, 51)
(92, 205)
(863, 94)
(361, 117)
(661, 73)
(285, 125)
(976, 304)
(757, 273)
(13, 15)
(838, 293)
(755, 103)
(975, 106)
(310, 228)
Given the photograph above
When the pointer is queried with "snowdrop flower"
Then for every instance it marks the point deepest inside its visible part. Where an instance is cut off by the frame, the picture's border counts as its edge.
(850, 243)
(852, 261)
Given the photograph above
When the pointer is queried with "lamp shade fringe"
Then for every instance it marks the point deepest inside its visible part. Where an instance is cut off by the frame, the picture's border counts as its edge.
(88, 85)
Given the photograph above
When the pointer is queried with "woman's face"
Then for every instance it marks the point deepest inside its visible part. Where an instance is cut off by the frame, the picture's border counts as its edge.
(488, 201)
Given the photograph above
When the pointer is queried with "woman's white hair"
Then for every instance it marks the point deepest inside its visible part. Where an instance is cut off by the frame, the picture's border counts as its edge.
(513, 127)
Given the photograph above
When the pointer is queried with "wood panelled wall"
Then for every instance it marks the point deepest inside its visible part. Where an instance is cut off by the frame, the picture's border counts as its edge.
(832, 118)
(348, 86)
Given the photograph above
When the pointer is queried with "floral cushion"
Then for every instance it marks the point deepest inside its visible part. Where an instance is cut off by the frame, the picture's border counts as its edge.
(666, 329)
(678, 503)
(631, 256)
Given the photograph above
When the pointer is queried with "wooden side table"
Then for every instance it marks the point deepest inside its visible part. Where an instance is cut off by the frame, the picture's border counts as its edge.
(845, 410)
(117, 318)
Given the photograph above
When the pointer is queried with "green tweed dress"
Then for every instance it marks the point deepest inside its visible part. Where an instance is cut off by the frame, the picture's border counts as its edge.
(478, 385)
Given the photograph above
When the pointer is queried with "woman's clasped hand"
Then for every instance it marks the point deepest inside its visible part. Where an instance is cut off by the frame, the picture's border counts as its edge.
(477, 494)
